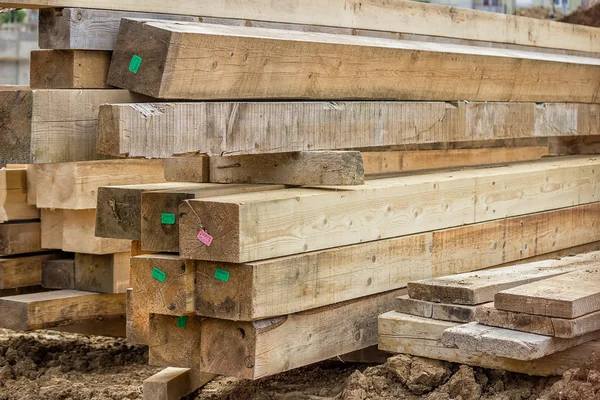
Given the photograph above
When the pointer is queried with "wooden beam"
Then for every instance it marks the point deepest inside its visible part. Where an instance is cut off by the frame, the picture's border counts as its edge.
(16, 106)
(298, 168)
(108, 273)
(119, 208)
(78, 235)
(160, 234)
(47, 309)
(422, 337)
(169, 384)
(13, 196)
(58, 274)
(164, 283)
(395, 207)
(69, 69)
(22, 271)
(20, 238)
(52, 228)
(187, 169)
(567, 296)
(227, 128)
(477, 338)
(382, 69)
(279, 286)
(444, 312)
(75, 185)
(473, 288)
(402, 16)
(137, 324)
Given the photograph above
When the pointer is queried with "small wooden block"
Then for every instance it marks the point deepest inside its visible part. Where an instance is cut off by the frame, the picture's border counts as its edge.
(187, 169)
(169, 384)
(20, 238)
(58, 274)
(107, 273)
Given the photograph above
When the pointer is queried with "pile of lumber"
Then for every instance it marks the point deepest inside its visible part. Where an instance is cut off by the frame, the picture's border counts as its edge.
(263, 182)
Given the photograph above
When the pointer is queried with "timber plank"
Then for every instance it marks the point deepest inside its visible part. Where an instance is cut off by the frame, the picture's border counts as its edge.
(75, 185)
(567, 296)
(20, 238)
(474, 337)
(185, 61)
(298, 168)
(69, 69)
(47, 309)
(22, 271)
(58, 274)
(329, 218)
(13, 196)
(403, 16)
(231, 128)
(108, 273)
(444, 312)
(422, 337)
(481, 287)
(78, 235)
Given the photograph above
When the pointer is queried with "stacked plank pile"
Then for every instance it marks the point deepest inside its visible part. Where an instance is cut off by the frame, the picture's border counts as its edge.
(330, 167)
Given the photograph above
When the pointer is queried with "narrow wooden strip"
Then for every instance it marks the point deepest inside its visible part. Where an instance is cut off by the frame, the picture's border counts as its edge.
(107, 273)
(20, 238)
(443, 312)
(22, 271)
(58, 274)
(69, 69)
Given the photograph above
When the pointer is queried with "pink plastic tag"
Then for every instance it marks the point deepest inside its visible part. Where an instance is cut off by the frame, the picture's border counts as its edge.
(205, 237)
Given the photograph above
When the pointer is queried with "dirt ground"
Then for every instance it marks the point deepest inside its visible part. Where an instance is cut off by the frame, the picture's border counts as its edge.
(51, 366)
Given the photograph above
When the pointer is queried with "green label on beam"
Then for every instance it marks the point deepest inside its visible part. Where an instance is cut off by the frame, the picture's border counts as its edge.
(222, 275)
(134, 65)
(159, 275)
(182, 322)
(167, 219)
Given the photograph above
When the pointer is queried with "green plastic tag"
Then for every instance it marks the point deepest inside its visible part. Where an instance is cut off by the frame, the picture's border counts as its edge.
(159, 275)
(134, 65)
(222, 275)
(167, 219)
(182, 322)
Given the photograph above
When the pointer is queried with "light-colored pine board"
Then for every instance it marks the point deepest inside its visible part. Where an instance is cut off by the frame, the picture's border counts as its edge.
(75, 185)
(108, 273)
(159, 235)
(52, 228)
(16, 104)
(444, 312)
(422, 337)
(78, 235)
(167, 129)
(567, 296)
(69, 69)
(291, 221)
(477, 338)
(22, 271)
(13, 196)
(137, 321)
(187, 169)
(47, 309)
(20, 238)
(297, 168)
(58, 274)
(481, 287)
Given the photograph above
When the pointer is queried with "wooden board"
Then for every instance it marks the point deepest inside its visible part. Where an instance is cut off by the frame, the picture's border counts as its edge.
(169, 384)
(186, 62)
(16, 104)
(87, 29)
(75, 185)
(253, 350)
(22, 271)
(567, 296)
(138, 321)
(107, 273)
(163, 235)
(172, 295)
(477, 338)
(47, 309)
(78, 235)
(227, 128)
(539, 324)
(422, 337)
(52, 228)
(20, 238)
(13, 196)
(119, 208)
(58, 274)
(481, 287)
(257, 226)
(399, 16)
(298, 168)
(69, 69)
(444, 312)
(187, 169)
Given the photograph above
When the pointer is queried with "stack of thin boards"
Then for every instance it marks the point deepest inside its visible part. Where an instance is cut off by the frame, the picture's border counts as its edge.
(311, 165)
(538, 318)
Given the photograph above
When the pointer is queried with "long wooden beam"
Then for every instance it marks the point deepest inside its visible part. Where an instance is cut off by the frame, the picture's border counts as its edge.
(186, 62)
(255, 226)
(226, 128)
(398, 15)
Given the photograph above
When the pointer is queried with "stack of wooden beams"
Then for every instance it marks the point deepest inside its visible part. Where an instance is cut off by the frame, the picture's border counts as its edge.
(311, 165)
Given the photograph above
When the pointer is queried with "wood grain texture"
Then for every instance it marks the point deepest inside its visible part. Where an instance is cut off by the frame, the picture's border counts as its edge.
(574, 145)
(47, 309)
(16, 106)
(22, 271)
(20, 238)
(58, 274)
(169, 384)
(403, 16)
(108, 273)
(567, 296)
(422, 337)
(159, 236)
(185, 60)
(230, 128)
(79, 237)
(13, 196)
(75, 185)
(137, 320)
(291, 221)
(444, 312)
(69, 69)
(298, 168)
(253, 350)
(52, 228)
(482, 287)
(187, 169)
